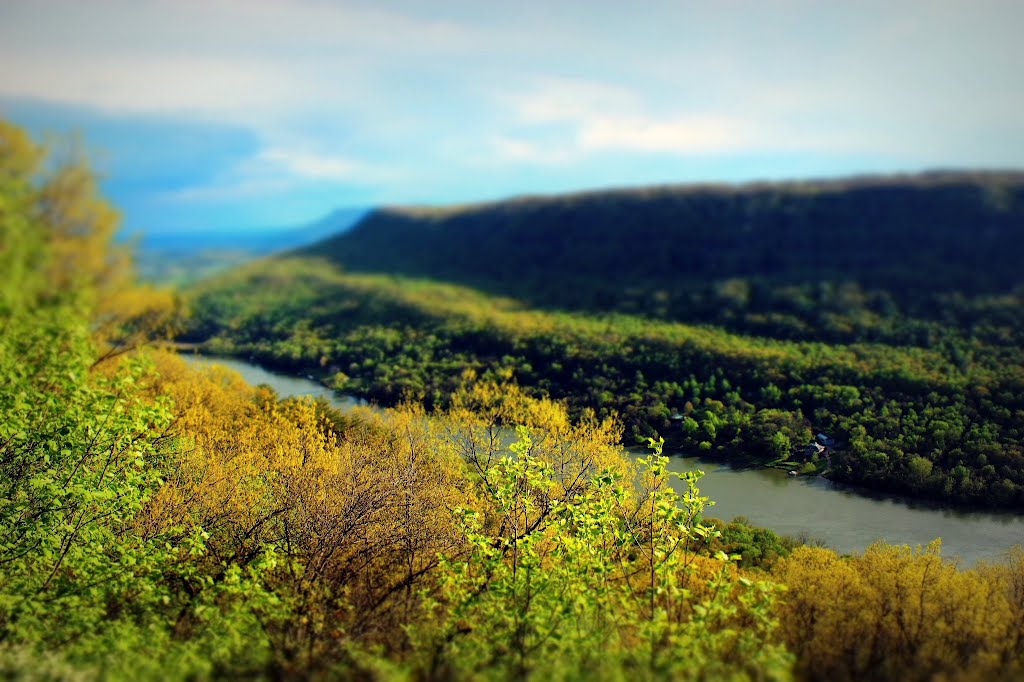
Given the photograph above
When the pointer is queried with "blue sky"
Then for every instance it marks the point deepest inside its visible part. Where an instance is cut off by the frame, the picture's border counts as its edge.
(231, 114)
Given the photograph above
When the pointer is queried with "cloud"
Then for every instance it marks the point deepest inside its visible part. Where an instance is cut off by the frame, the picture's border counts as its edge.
(559, 100)
(310, 166)
(206, 87)
(401, 98)
(639, 135)
(258, 62)
(527, 151)
(686, 136)
(228, 189)
(677, 77)
(562, 121)
(277, 169)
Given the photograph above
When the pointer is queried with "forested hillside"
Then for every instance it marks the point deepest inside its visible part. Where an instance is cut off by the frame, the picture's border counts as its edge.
(822, 260)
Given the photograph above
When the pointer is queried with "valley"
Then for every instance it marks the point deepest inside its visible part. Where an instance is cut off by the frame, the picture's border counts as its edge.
(922, 383)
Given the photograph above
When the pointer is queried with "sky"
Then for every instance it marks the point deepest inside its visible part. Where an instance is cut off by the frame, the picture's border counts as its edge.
(252, 114)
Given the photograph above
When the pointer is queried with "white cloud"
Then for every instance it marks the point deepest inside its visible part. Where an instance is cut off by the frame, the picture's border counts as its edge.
(310, 166)
(504, 148)
(256, 63)
(228, 190)
(208, 87)
(684, 136)
(333, 87)
(560, 121)
(558, 100)
(276, 169)
(688, 135)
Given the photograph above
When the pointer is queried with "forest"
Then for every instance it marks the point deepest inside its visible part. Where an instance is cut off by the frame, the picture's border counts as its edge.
(942, 422)
(862, 259)
(163, 522)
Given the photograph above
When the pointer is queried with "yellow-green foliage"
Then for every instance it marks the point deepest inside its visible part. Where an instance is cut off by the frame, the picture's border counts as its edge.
(607, 581)
(373, 525)
(897, 613)
(360, 516)
(284, 281)
(81, 457)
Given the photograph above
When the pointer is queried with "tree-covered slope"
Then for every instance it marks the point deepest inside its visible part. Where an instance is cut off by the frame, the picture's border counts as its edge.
(943, 422)
(686, 252)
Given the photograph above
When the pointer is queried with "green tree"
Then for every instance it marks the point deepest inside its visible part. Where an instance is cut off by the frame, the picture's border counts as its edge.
(781, 445)
(81, 451)
(609, 582)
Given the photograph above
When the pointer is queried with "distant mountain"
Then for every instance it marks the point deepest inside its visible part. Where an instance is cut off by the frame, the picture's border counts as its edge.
(671, 250)
(191, 254)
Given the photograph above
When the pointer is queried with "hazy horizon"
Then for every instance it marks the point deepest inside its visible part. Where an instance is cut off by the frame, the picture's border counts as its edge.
(257, 115)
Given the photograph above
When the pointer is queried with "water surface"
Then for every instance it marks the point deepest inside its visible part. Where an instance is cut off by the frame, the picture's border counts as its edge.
(851, 519)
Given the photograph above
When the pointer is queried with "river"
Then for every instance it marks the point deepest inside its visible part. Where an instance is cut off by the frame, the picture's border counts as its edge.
(847, 520)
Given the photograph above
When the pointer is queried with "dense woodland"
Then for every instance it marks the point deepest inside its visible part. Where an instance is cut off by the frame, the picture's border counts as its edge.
(159, 522)
(943, 420)
(839, 261)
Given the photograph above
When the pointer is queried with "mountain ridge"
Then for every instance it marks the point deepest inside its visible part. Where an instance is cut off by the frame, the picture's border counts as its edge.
(930, 177)
(667, 250)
